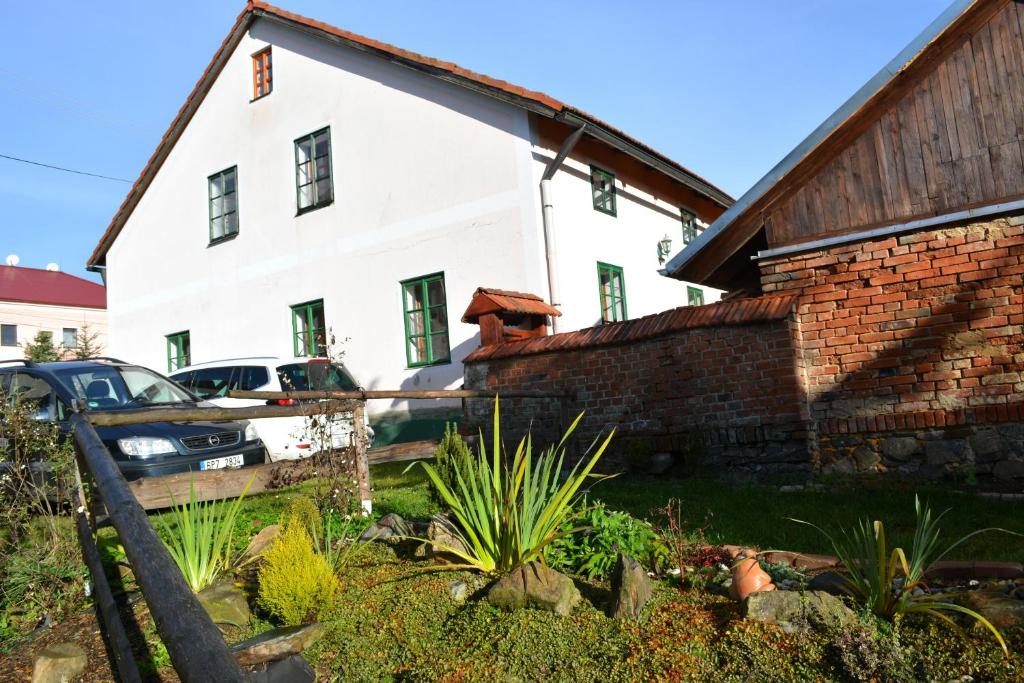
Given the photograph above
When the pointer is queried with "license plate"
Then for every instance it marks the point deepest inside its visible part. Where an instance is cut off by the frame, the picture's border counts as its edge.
(221, 463)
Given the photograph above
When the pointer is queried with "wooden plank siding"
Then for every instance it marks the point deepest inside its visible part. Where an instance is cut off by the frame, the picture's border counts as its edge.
(950, 138)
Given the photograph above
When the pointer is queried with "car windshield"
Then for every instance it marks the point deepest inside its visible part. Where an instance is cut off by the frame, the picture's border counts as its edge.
(314, 376)
(112, 387)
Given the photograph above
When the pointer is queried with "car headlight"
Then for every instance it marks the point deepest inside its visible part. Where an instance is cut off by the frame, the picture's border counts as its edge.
(250, 432)
(145, 446)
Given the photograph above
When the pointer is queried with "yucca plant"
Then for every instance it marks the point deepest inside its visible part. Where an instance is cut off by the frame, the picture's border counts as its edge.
(200, 540)
(507, 513)
(872, 568)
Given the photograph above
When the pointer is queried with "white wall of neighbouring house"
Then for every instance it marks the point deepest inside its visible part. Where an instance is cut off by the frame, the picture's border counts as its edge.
(30, 319)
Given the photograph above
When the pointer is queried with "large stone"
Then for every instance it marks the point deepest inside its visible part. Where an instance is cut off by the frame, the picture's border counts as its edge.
(1004, 611)
(866, 458)
(631, 589)
(293, 669)
(226, 604)
(389, 526)
(797, 612)
(1008, 469)
(261, 541)
(535, 585)
(985, 444)
(945, 452)
(900, 447)
(444, 540)
(59, 663)
(276, 644)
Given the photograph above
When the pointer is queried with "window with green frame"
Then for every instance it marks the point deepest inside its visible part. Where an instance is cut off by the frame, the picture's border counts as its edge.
(309, 329)
(426, 321)
(602, 184)
(179, 351)
(694, 296)
(223, 189)
(313, 184)
(612, 289)
(690, 229)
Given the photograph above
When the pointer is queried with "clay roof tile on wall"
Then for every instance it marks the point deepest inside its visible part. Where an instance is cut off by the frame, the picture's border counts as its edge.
(735, 312)
(486, 300)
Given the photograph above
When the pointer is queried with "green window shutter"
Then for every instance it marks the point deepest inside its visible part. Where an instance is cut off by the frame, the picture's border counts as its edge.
(223, 204)
(179, 351)
(694, 296)
(425, 314)
(602, 185)
(314, 186)
(309, 329)
(611, 283)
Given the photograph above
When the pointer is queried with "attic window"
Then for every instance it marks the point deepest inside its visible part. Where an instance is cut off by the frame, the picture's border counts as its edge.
(690, 229)
(602, 184)
(262, 75)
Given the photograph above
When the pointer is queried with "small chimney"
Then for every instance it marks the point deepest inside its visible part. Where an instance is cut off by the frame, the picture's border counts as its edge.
(505, 316)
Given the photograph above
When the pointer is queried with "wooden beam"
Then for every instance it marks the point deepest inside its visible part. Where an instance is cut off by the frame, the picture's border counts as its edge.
(372, 395)
(361, 441)
(112, 418)
(413, 450)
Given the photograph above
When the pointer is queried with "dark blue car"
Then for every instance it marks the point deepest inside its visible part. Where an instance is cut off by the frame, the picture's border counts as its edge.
(141, 450)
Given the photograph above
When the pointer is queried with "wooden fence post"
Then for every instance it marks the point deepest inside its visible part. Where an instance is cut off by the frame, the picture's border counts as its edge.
(362, 462)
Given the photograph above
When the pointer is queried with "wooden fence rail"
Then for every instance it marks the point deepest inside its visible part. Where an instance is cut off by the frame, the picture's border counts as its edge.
(367, 395)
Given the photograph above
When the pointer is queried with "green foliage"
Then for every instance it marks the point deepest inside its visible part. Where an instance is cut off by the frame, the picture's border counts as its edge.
(297, 584)
(303, 511)
(601, 535)
(41, 348)
(451, 454)
(507, 514)
(870, 652)
(331, 534)
(872, 568)
(87, 343)
(200, 539)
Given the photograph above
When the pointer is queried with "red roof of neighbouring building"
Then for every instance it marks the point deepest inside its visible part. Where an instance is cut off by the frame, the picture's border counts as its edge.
(436, 67)
(486, 300)
(738, 312)
(36, 286)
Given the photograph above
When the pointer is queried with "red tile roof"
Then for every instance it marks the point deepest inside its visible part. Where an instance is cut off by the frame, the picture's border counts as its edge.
(739, 312)
(435, 67)
(487, 300)
(35, 286)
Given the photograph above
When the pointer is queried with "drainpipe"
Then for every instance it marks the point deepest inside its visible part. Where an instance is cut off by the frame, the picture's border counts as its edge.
(548, 218)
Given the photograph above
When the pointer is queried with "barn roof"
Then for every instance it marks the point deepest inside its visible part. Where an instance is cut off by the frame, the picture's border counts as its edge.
(36, 286)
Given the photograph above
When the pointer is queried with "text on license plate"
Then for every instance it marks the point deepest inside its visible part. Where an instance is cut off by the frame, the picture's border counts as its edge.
(221, 463)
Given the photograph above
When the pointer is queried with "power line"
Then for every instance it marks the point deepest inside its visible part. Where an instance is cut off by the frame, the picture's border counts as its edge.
(66, 170)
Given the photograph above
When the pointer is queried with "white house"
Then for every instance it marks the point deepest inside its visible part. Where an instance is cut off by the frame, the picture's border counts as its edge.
(318, 179)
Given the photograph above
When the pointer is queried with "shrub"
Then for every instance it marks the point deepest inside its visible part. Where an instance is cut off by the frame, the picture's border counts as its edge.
(329, 534)
(508, 513)
(303, 512)
(297, 585)
(687, 549)
(592, 551)
(450, 454)
(200, 540)
(872, 568)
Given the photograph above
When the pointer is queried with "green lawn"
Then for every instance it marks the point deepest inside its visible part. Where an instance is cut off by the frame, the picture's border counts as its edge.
(757, 515)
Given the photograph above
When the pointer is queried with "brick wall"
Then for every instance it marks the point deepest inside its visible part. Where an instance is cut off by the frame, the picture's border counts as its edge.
(919, 336)
(727, 396)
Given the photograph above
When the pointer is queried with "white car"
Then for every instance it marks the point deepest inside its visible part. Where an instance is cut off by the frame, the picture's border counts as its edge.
(286, 438)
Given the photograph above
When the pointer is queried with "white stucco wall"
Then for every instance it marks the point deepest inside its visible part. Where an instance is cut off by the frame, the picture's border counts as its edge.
(33, 318)
(428, 177)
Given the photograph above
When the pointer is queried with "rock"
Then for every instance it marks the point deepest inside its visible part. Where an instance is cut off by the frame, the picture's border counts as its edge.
(226, 604)
(660, 463)
(945, 452)
(986, 443)
(441, 533)
(1002, 610)
(838, 467)
(276, 644)
(798, 612)
(631, 589)
(1008, 469)
(389, 526)
(900, 447)
(866, 458)
(59, 663)
(459, 590)
(831, 583)
(293, 669)
(534, 585)
(261, 541)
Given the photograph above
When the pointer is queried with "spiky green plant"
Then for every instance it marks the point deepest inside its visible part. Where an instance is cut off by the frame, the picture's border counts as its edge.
(508, 513)
(200, 540)
(872, 568)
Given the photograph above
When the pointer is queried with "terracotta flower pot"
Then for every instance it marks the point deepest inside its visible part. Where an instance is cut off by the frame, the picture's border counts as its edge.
(748, 577)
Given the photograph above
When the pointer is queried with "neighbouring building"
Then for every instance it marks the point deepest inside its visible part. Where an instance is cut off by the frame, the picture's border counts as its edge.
(34, 300)
(874, 319)
(318, 182)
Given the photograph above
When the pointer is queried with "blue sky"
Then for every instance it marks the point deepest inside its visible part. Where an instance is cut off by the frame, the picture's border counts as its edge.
(726, 89)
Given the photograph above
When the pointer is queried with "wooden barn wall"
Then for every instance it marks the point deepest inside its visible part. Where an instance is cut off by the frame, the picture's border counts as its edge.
(952, 140)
